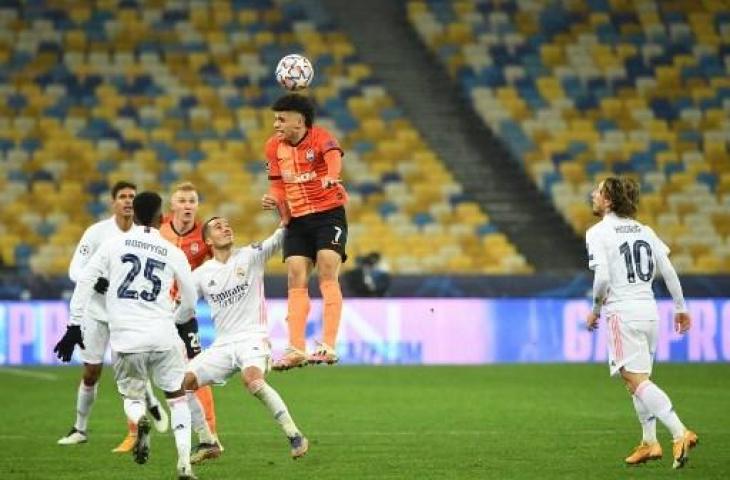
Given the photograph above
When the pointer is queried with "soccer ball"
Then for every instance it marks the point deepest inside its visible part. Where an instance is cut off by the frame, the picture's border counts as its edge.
(294, 72)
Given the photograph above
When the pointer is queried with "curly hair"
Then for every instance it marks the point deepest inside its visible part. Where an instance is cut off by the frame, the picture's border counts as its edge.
(147, 207)
(623, 192)
(294, 102)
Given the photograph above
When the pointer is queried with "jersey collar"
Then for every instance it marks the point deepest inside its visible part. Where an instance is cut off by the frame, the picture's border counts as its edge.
(306, 134)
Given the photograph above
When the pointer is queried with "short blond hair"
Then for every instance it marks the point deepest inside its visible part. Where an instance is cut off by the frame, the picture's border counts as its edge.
(185, 187)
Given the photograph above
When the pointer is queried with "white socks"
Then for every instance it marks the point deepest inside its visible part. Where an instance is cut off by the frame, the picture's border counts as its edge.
(647, 420)
(200, 426)
(84, 401)
(657, 402)
(134, 409)
(269, 397)
(180, 421)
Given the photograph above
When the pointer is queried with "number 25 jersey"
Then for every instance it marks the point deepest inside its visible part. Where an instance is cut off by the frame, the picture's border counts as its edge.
(628, 250)
(141, 267)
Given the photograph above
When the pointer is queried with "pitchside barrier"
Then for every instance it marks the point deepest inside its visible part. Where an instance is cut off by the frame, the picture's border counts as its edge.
(422, 331)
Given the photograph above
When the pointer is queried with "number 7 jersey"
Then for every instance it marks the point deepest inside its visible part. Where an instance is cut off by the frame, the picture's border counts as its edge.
(628, 250)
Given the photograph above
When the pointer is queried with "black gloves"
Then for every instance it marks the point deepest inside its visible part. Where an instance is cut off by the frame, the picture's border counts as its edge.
(101, 285)
(189, 333)
(64, 349)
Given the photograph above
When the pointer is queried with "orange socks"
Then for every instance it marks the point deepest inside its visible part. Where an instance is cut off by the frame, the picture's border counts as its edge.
(298, 311)
(332, 298)
(205, 396)
(131, 428)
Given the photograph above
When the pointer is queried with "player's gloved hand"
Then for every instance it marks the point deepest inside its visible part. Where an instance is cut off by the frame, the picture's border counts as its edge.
(328, 182)
(64, 349)
(101, 285)
(188, 331)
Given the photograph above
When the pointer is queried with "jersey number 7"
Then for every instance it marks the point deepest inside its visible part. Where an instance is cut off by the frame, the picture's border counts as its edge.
(149, 273)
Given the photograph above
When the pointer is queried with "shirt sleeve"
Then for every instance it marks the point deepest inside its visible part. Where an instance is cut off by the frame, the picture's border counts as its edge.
(659, 245)
(276, 183)
(333, 159)
(328, 142)
(668, 273)
(595, 250)
(82, 254)
(187, 292)
(198, 281)
(265, 250)
(97, 266)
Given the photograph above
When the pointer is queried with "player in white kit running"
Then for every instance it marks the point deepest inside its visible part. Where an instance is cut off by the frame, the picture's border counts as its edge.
(141, 267)
(232, 283)
(95, 336)
(625, 255)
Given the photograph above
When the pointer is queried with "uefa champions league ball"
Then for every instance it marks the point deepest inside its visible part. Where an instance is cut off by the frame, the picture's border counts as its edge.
(294, 72)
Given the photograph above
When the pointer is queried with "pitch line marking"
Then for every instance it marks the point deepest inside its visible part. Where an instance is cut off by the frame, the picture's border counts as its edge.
(23, 372)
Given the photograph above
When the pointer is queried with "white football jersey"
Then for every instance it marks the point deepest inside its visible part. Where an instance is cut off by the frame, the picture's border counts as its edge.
(90, 241)
(629, 251)
(141, 267)
(235, 290)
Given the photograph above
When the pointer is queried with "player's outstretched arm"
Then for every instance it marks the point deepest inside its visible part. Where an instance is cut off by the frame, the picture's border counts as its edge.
(271, 245)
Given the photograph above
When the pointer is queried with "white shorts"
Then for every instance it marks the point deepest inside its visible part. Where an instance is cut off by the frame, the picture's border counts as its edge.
(631, 345)
(96, 341)
(133, 370)
(215, 364)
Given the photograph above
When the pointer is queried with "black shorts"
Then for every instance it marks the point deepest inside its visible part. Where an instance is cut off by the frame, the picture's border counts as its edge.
(307, 235)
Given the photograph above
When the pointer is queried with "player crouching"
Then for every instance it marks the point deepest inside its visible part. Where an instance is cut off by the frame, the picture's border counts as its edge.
(232, 283)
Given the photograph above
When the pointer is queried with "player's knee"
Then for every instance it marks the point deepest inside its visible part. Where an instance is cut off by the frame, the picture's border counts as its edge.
(328, 265)
(296, 276)
(91, 374)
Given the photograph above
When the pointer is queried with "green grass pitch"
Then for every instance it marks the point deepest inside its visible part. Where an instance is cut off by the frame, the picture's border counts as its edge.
(501, 422)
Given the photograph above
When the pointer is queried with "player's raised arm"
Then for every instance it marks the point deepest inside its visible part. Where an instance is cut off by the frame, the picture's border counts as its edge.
(270, 246)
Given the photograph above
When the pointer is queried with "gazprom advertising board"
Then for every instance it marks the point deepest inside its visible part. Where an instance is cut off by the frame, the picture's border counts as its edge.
(422, 331)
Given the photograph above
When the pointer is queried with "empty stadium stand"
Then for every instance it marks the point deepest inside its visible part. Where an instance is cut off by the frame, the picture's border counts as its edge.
(162, 91)
(583, 89)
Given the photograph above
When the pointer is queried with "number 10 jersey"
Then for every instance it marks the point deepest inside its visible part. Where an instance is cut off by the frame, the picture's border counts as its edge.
(629, 251)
